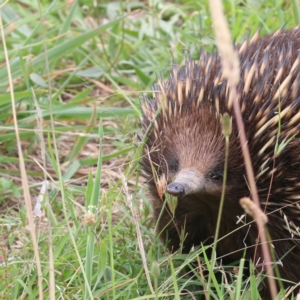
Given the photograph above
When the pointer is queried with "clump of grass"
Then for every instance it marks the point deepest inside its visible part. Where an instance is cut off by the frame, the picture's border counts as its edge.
(77, 69)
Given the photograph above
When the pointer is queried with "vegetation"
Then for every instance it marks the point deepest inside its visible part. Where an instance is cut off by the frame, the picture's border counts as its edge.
(71, 73)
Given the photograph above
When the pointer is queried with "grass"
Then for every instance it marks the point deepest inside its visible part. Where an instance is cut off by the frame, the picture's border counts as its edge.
(77, 70)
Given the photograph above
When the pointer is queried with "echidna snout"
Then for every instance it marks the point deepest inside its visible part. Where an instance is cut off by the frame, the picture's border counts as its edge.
(175, 189)
(187, 182)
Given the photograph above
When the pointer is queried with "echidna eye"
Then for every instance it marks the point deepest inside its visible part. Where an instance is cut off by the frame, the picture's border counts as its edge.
(217, 176)
(173, 165)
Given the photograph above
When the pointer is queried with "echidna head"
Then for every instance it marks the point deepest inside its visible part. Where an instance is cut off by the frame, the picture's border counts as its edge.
(187, 148)
(194, 157)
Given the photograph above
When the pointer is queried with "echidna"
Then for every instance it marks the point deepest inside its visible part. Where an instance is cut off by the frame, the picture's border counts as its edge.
(184, 151)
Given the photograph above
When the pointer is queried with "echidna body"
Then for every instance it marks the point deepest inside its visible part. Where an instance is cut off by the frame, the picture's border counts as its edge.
(185, 151)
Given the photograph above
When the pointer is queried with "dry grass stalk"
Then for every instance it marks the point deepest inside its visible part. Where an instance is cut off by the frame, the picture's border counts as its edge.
(138, 232)
(231, 72)
(24, 178)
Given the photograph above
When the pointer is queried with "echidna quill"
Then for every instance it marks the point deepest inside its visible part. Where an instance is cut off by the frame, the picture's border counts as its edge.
(184, 151)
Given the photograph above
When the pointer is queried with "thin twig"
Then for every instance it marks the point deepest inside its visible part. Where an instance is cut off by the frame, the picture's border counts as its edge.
(230, 64)
(24, 178)
(138, 233)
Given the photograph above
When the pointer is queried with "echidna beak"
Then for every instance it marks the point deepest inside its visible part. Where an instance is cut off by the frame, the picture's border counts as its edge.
(175, 189)
(187, 181)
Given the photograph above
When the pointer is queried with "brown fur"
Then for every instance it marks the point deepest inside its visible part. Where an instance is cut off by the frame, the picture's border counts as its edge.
(187, 134)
